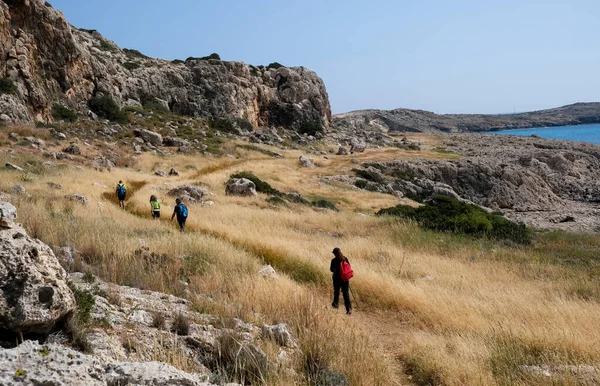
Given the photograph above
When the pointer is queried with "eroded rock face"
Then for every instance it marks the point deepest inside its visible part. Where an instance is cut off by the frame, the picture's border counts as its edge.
(51, 61)
(240, 187)
(34, 295)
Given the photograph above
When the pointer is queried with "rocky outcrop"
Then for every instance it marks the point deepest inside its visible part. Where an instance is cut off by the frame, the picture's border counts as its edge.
(34, 293)
(49, 61)
(405, 120)
(8, 214)
(306, 162)
(189, 193)
(51, 364)
(240, 187)
(540, 182)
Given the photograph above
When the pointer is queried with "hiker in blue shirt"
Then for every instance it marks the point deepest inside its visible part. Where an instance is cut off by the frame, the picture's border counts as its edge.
(181, 212)
(121, 194)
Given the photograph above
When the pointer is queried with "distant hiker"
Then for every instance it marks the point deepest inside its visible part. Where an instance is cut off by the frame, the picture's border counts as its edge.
(341, 272)
(121, 194)
(182, 213)
(155, 206)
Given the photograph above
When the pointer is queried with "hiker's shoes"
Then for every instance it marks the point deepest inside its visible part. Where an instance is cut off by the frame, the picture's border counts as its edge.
(349, 312)
(334, 305)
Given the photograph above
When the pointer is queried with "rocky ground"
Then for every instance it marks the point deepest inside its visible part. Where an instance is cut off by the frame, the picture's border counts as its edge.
(86, 331)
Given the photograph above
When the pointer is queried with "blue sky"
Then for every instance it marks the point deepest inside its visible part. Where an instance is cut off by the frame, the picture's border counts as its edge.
(447, 56)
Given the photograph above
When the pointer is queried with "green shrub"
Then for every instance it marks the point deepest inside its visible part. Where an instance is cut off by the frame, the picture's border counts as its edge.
(446, 214)
(224, 125)
(361, 184)
(275, 66)
(106, 107)
(324, 203)
(177, 61)
(61, 113)
(131, 65)
(7, 86)
(150, 102)
(134, 53)
(254, 71)
(214, 56)
(275, 200)
(105, 45)
(310, 127)
(85, 302)
(369, 175)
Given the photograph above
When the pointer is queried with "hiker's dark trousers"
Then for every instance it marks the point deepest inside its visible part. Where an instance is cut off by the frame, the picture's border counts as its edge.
(344, 286)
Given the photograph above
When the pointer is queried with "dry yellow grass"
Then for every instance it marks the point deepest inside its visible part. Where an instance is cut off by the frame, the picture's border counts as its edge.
(433, 309)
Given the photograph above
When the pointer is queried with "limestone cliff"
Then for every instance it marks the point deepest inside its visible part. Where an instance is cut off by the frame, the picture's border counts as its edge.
(49, 61)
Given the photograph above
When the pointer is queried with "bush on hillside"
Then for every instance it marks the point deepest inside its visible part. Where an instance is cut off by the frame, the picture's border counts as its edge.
(150, 102)
(369, 175)
(446, 214)
(261, 186)
(326, 204)
(131, 65)
(61, 113)
(214, 56)
(7, 86)
(275, 66)
(106, 107)
(134, 53)
(223, 125)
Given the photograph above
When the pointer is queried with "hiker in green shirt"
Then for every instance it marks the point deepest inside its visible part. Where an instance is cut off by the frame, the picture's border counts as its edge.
(155, 206)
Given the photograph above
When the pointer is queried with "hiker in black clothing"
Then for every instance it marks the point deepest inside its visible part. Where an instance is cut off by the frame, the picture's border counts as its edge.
(338, 283)
(181, 212)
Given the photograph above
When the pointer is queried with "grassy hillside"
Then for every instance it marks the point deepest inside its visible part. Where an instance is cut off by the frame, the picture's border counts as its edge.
(433, 308)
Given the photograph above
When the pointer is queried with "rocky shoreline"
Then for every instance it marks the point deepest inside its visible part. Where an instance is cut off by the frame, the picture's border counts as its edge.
(547, 184)
(405, 120)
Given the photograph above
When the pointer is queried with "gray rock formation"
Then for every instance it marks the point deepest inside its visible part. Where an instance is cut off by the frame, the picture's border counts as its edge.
(78, 198)
(51, 364)
(72, 149)
(152, 137)
(34, 293)
(306, 162)
(8, 214)
(240, 187)
(50, 61)
(280, 334)
(537, 181)
(189, 193)
(10, 166)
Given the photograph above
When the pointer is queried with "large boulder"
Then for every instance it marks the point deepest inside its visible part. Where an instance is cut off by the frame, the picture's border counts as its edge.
(34, 294)
(8, 214)
(151, 137)
(189, 193)
(306, 162)
(240, 187)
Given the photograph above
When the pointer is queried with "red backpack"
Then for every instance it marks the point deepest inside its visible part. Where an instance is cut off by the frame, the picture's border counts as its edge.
(346, 271)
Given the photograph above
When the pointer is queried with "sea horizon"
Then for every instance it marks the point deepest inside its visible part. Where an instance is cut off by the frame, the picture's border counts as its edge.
(589, 133)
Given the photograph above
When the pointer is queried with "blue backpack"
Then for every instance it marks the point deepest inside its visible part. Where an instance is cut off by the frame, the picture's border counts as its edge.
(183, 210)
(121, 190)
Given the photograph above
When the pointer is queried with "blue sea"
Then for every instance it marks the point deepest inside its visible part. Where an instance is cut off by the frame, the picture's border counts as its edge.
(580, 133)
